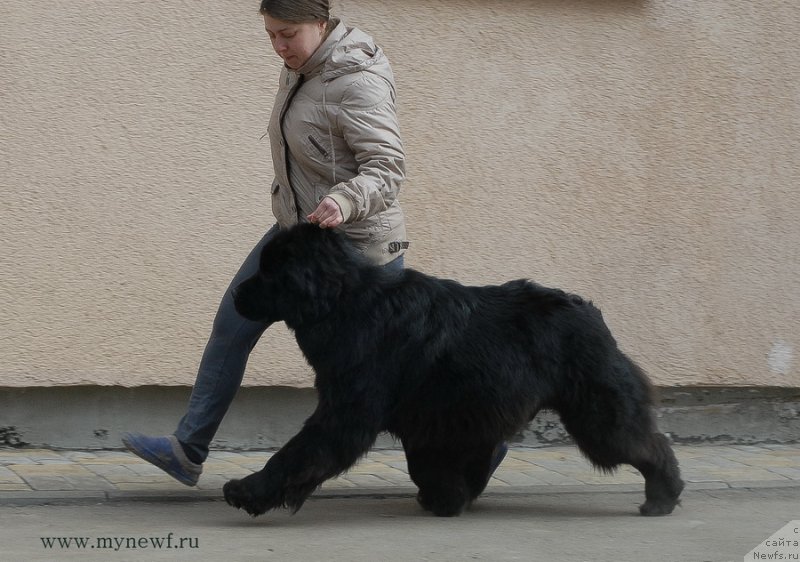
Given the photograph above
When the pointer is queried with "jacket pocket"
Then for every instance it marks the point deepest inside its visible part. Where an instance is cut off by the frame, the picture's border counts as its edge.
(316, 148)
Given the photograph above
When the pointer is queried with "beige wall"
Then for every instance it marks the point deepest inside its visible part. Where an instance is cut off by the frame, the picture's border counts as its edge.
(642, 153)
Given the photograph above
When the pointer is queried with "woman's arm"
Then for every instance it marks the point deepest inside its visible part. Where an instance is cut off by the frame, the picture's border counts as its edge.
(368, 121)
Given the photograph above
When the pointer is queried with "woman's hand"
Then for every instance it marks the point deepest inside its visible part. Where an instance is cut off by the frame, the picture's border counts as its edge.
(327, 214)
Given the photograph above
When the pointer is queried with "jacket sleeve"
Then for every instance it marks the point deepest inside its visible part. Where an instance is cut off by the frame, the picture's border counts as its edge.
(368, 122)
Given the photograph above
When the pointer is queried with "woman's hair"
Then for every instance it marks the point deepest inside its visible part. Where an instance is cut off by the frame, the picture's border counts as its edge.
(297, 11)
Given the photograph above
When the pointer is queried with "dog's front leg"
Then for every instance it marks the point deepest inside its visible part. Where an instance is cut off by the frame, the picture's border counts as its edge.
(259, 492)
(327, 445)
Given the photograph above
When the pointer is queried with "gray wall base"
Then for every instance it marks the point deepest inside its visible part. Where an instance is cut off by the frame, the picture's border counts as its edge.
(95, 417)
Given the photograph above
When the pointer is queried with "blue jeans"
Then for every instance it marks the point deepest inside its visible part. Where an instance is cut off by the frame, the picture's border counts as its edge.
(224, 360)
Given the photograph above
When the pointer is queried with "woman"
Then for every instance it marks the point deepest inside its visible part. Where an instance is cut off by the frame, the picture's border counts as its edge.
(339, 163)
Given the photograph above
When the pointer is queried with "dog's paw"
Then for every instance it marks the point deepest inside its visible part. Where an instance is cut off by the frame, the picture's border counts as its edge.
(655, 509)
(423, 501)
(442, 505)
(249, 494)
(662, 499)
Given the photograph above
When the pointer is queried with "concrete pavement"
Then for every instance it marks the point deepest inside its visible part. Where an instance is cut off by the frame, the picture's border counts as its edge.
(710, 526)
(39, 476)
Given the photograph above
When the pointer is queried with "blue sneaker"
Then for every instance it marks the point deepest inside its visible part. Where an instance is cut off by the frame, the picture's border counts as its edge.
(166, 453)
(498, 455)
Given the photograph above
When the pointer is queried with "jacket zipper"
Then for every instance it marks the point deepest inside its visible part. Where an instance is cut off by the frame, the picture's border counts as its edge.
(318, 146)
(285, 108)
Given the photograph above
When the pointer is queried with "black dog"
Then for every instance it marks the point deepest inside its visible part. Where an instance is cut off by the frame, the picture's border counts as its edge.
(450, 370)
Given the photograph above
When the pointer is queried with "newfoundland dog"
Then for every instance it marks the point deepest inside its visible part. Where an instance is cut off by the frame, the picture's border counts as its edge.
(450, 370)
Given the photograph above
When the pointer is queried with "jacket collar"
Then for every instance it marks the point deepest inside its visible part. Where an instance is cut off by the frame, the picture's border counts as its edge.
(316, 63)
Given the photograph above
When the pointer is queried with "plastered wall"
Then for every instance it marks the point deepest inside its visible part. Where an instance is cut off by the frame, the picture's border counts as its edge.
(641, 153)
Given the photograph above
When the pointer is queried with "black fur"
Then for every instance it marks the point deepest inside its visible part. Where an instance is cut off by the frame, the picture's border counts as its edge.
(450, 370)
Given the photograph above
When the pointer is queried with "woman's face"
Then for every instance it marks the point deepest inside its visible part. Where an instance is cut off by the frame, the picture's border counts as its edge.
(294, 42)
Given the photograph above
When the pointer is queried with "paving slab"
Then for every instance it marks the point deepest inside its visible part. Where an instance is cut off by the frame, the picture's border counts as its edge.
(43, 475)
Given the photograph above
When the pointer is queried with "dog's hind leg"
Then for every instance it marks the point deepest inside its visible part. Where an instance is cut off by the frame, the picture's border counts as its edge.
(647, 451)
(663, 484)
(443, 489)
(478, 468)
(614, 429)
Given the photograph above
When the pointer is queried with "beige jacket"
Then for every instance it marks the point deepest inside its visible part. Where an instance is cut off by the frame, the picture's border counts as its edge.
(334, 132)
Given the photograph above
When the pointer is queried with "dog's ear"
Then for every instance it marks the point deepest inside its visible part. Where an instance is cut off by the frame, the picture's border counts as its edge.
(315, 268)
(316, 292)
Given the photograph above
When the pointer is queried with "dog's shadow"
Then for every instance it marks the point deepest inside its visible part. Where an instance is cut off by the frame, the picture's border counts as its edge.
(367, 510)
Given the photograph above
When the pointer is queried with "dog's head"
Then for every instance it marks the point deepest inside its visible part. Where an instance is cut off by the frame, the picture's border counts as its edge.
(303, 272)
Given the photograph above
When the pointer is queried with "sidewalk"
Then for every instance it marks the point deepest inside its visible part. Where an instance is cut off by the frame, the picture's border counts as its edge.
(37, 476)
